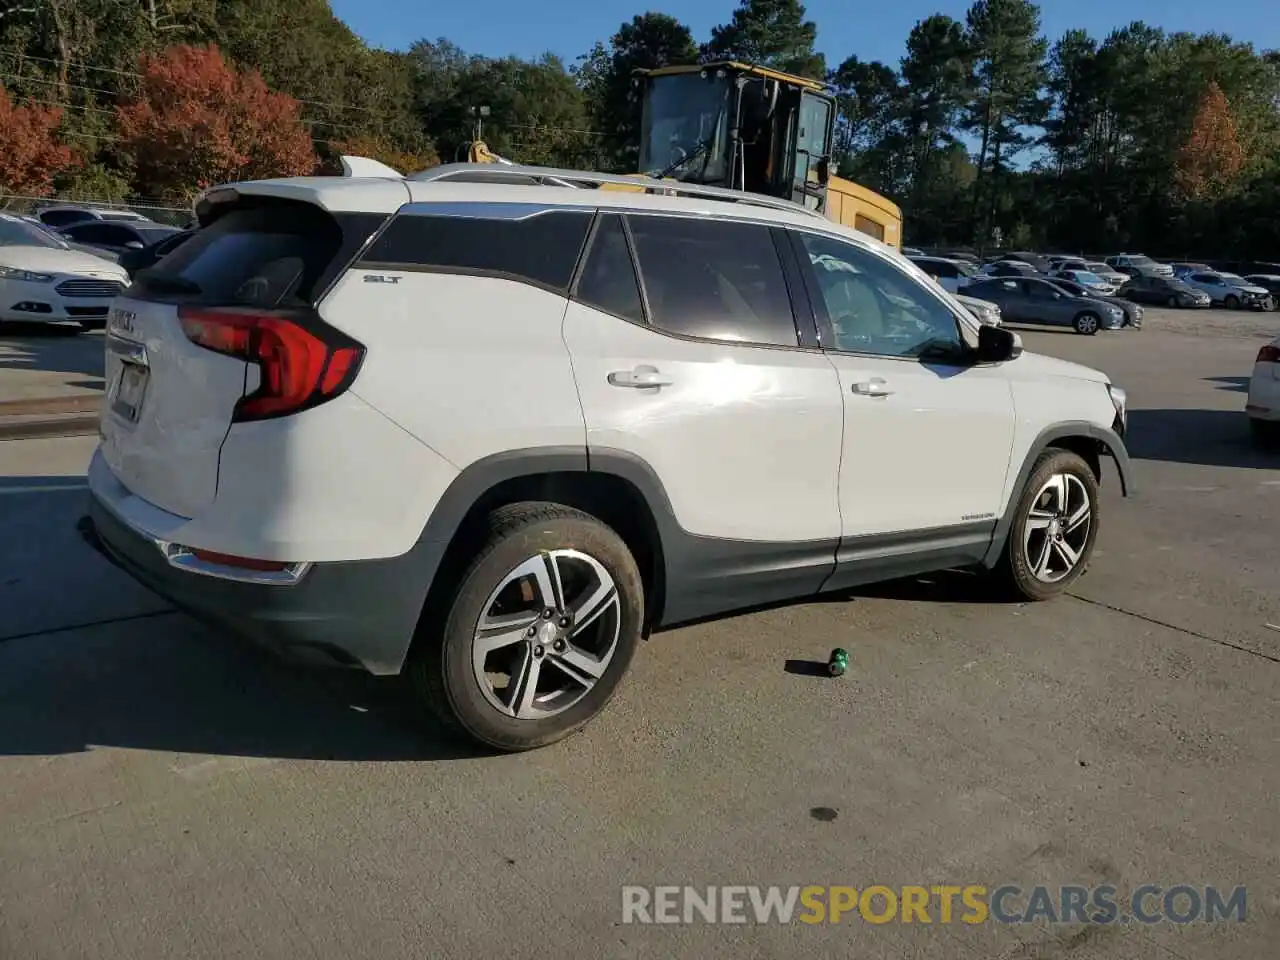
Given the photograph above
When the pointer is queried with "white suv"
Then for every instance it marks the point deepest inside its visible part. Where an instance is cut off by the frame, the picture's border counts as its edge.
(491, 434)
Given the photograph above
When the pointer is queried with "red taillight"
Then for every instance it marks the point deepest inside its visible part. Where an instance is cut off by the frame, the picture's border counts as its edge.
(299, 366)
(1269, 354)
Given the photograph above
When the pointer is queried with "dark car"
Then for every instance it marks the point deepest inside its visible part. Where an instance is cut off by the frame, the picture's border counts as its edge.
(1030, 300)
(1009, 268)
(134, 260)
(117, 236)
(1038, 262)
(1163, 291)
(1132, 312)
(1269, 282)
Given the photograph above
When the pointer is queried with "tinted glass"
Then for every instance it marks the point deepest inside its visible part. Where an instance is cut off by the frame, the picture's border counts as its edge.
(90, 232)
(1041, 291)
(257, 257)
(873, 307)
(1072, 288)
(608, 279)
(714, 279)
(150, 235)
(1204, 278)
(62, 218)
(541, 249)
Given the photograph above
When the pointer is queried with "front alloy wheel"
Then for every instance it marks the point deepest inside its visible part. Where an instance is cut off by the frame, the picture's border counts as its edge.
(1054, 527)
(1057, 528)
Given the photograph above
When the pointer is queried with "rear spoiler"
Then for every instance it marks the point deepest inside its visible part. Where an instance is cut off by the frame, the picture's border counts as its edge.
(365, 167)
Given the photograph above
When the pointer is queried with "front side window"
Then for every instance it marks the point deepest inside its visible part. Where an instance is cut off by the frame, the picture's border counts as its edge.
(685, 129)
(19, 233)
(714, 279)
(873, 307)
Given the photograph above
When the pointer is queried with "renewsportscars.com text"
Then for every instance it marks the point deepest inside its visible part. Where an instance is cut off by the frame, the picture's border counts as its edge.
(970, 904)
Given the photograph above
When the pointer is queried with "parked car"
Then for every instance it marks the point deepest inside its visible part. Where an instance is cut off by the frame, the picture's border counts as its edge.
(984, 310)
(1138, 265)
(1106, 272)
(1263, 405)
(1163, 291)
(1038, 262)
(118, 237)
(43, 280)
(950, 274)
(149, 256)
(1091, 281)
(1230, 291)
(82, 247)
(1008, 268)
(1066, 263)
(1132, 311)
(1034, 300)
(1184, 269)
(59, 217)
(1269, 282)
(504, 526)
(912, 252)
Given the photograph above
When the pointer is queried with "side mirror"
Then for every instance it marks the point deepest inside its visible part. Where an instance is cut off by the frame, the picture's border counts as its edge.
(996, 344)
(133, 245)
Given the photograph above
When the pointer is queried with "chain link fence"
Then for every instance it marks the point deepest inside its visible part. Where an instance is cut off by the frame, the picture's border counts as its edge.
(29, 206)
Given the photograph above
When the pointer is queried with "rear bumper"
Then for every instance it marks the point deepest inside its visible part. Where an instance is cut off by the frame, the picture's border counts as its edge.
(360, 614)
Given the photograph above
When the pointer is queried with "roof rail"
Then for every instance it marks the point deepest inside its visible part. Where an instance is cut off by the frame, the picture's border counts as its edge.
(585, 179)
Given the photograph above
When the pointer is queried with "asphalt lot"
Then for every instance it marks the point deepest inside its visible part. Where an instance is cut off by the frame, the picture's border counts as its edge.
(167, 793)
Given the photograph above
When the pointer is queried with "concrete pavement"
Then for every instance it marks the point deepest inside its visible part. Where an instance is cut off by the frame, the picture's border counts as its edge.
(167, 793)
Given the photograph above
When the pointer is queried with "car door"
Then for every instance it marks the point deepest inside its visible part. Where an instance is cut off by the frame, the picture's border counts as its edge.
(1003, 293)
(927, 432)
(695, 373)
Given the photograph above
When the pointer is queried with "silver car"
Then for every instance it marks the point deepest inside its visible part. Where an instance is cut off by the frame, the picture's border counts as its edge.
(1230, 290)
(1109, 274)
(1032, 300)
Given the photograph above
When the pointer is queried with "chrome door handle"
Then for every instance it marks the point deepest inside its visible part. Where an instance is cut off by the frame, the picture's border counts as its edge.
(875, 387)
(640, 377)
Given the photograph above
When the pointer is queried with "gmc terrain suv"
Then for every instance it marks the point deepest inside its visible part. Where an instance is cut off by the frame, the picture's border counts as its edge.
(490, 434)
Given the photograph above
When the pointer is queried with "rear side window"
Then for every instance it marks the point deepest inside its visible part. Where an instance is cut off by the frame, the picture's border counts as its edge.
(716, 280)
(608, 280)
(542, 249)
(62, 218)
(266, 256)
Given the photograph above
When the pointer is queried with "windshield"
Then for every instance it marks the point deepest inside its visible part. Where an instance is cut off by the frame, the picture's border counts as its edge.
(1099, 268)
(1231, 276)
(152, 235)
(1084, 276)
(1140, 261)
(684, 111)
(19, 233)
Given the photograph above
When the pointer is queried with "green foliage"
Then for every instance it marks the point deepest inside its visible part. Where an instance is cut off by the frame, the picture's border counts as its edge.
(773, 33)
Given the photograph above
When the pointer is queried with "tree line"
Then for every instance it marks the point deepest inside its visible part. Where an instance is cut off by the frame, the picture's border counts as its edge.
(986, 132)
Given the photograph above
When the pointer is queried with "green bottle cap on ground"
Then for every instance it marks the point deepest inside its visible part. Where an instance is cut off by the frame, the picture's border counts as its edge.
(838, 662)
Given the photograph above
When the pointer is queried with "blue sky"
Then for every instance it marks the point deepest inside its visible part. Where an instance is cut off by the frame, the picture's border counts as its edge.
(873, 31)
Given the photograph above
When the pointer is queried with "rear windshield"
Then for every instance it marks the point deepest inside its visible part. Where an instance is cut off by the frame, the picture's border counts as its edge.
(265, 256)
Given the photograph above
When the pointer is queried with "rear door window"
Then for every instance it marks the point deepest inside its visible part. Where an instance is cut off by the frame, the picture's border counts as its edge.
(714, 279)
(265, 256)
(608, 280)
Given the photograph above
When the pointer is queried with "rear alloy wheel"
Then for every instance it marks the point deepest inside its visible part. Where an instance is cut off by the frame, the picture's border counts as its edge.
(544, 623)
(1232, 302)
(1054, 529)
(1086, 323)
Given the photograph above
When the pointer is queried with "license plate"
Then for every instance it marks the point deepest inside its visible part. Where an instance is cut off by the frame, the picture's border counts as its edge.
(130, 389)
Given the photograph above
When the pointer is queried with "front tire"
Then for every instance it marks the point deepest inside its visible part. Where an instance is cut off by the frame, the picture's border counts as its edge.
(1054, 528)
(1232, 302)
(1087, 323)
(542, 626)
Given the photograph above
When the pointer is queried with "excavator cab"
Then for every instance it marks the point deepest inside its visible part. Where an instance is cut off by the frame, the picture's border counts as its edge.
(738, 126)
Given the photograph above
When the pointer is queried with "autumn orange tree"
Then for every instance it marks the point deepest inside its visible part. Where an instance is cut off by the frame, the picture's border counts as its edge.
(1211, 160)
(30, 152)
(197, 121)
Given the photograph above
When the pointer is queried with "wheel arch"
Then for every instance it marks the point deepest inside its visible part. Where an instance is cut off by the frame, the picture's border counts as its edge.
(1088, 440)
(621, 490)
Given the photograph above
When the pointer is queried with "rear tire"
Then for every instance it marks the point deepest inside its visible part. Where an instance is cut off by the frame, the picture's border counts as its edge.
(1173, 303)
(1060, 498)
(1087, 323)
(527, 551)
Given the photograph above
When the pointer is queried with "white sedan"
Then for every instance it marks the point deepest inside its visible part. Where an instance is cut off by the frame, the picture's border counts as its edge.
(44, 280)
(1263, 405)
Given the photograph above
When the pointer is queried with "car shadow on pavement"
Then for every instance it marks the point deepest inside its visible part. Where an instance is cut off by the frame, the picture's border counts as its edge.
(1234, 384)
(165, 683)
(42, 347)
(1218, 438)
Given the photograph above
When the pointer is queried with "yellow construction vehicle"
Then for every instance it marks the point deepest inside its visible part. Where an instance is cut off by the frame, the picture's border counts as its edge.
(751, 128)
